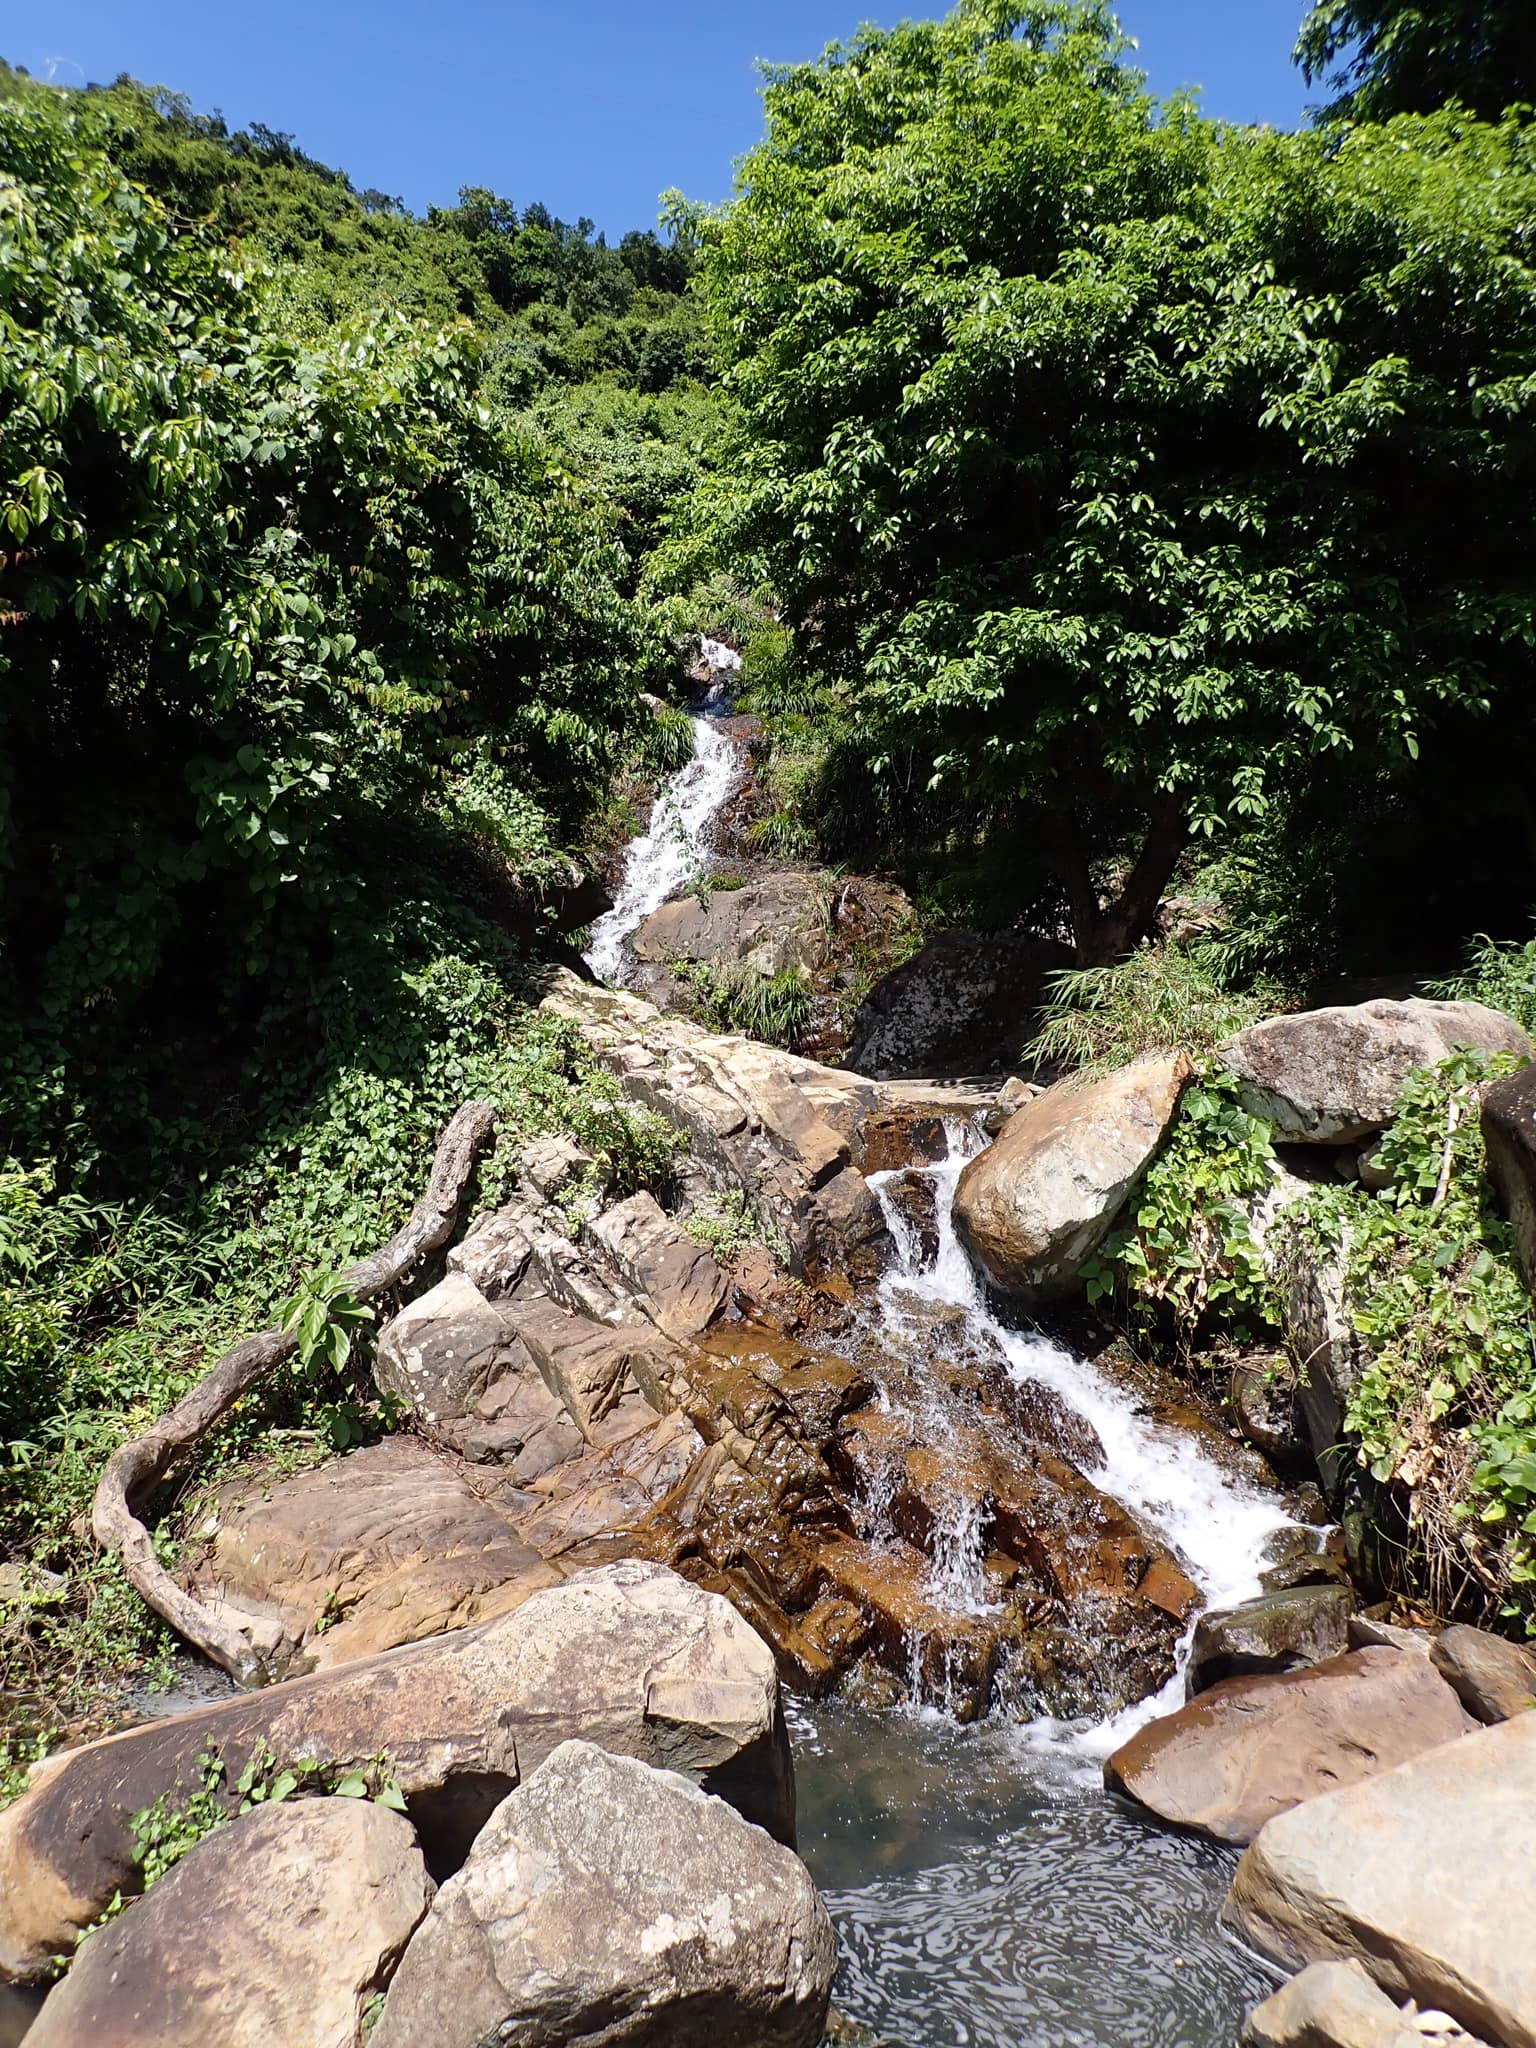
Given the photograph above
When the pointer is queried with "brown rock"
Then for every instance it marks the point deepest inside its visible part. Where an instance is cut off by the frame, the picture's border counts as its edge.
(1036, 1205)
(1330, 1077)
(385, 1546)
(1493, 1679)
(683, 1286)
(1425, 1874)
(1509, 1137)
(1336, 2005)
(631, 1657)
(279, 1927)
(1249, 1748)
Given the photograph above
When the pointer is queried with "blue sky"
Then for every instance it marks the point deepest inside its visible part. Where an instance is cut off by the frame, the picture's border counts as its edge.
(594, 109)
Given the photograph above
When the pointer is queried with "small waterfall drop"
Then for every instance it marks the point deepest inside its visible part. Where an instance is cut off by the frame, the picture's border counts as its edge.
(1215, 1524)
(670, 853)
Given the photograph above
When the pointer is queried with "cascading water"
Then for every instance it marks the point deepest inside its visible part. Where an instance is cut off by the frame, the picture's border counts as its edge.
(1218, 1527)
(670, 853)
(987, 1893)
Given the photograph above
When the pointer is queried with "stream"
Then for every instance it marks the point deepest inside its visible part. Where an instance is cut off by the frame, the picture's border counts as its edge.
(985, 1889)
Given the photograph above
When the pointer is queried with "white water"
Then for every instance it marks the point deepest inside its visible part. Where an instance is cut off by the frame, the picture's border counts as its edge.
(1217, 1526)
(670, 854)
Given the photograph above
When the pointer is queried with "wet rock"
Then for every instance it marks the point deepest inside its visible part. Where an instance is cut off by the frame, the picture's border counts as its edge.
(1277, 1632)
(386, 1546)
(1034, 1208)
(1262, 1403)
(1509, 1137)
(606, 1902)
(1492, 1678)
(965, 1000)
(1425, 1874)
(914, 1197)
(1329, 1077)
(1249, 1748)
(1296, 1556)
(1336, 2005)
(280, 1926)
(632, 1657)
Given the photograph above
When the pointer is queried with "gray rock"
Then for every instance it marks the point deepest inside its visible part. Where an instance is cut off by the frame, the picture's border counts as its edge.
(279, 1927)
(1329, 1077)
(965, 1000)
(1509, 1137)
(683, 1286)
(442, 1350)
(630, 1656)
(609, 1905)
(1336, 2005)
(1323, 1343)
(1492, 1678)
(769, 926)
(1425, 1874)
(1035, 1206)
(1249, 1748)
(1277, 1632)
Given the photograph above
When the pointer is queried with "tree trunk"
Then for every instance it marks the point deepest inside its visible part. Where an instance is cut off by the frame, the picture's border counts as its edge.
(137, 1467)
(1105, 932)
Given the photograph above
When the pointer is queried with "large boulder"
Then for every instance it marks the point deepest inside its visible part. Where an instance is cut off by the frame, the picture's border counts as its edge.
(769, 926)
(965, 1001)
(1336, 2005)
(606, 1903)
(1279, 1631)
(1249, 1748)
(1332, 1077)
(630, 1656)
(1509, 1137)
(279, 1927)
(1492, 1678)
(388, 1545)
(1425, 1874)
(1035, 1206)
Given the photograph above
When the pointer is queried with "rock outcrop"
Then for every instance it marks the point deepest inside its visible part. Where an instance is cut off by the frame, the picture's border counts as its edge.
(965, 1002)
(1332, 1077)
(631, 1656)
(773, 923)
(1492, 1678)
(607, 1903)
(279, 1927)
(1424, 1874)
(1509, 1137)
(1034, 1208)
(1250, 1748)
(1336, 2005)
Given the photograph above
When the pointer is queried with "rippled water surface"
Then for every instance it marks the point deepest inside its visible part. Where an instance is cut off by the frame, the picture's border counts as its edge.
(990, 1894)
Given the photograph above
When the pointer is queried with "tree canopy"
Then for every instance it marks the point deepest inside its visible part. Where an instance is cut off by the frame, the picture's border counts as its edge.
(1123, 471)
(1385, 57)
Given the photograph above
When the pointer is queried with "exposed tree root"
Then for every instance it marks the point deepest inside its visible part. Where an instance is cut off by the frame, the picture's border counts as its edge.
(136, 1468)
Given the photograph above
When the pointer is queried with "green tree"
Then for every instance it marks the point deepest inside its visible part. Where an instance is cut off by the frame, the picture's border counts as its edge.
(1385, 57)
(1121, 471)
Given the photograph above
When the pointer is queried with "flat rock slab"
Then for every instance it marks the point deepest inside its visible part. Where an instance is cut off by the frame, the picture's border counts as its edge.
(1336, 2005)
(629, 1655)
(1250, 1748)
(278, 1927)
(1035, 1206)
(388, 1545)
(1332, 1077)
(1426, 1874)
(606, 1903)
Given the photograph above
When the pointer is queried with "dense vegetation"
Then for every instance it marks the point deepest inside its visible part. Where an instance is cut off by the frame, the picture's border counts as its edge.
(1105, 499)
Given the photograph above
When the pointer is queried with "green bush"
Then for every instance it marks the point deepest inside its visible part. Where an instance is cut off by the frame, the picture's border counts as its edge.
(1159, 999)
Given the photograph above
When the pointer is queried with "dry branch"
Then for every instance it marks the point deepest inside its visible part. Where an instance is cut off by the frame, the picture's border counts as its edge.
(136, 1468)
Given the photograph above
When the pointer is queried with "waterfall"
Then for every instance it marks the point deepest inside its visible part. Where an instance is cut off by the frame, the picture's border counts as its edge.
(670, 854)
(1216, 1525)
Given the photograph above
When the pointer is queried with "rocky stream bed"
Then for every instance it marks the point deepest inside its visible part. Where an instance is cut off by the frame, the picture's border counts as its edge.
(992, 1567)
